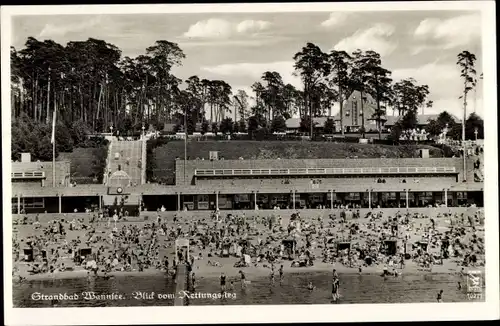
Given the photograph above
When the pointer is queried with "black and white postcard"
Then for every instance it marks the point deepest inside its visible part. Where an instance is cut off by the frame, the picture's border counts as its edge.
(253, 162)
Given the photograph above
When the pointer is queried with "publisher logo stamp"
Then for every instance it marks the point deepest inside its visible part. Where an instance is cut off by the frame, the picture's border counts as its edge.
(474, 284)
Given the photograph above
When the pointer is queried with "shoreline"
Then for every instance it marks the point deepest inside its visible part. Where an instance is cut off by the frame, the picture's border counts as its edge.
(204, 271)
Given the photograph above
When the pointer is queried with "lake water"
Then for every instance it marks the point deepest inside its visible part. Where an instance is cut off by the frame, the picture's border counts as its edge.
(353, 289)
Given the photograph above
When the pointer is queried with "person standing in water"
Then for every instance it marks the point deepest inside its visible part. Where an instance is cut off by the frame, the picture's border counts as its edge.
(440, 296)
(222, 282)
(335, 290)
(281, 274)
(193, 281)
(243, 279)
(335, 286)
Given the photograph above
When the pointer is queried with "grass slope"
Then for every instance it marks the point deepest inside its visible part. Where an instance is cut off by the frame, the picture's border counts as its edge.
(82, 162)
(164, 156)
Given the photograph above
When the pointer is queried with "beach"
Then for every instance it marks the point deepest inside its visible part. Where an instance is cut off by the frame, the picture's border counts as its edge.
(151, 244)
(448, 268)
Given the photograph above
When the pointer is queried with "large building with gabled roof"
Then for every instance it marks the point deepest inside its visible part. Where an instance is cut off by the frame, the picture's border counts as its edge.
(355, 110)
(352, 118)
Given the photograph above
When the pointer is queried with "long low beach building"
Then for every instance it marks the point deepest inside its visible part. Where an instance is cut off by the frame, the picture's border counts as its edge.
(261, 184)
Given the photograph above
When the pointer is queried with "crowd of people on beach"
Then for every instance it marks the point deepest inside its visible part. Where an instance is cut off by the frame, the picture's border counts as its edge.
(100, 246)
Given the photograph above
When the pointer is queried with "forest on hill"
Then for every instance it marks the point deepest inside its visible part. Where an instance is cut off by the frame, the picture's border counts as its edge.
(92, 87)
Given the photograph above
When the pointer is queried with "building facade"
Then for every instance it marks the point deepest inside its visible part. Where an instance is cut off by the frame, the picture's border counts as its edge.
(357, 112)
(266, 184)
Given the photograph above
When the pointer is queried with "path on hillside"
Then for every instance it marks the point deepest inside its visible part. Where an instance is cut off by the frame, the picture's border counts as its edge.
(128, 151)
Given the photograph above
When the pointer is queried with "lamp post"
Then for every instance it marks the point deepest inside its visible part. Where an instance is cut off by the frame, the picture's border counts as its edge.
(463, 144)
(143, 128)
(407, 199)
(475, 133)
(352, 106)
(445, 197)
(369, 198)
(185, 142)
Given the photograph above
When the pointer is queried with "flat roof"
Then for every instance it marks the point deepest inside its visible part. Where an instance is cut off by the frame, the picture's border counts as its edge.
(159, 190)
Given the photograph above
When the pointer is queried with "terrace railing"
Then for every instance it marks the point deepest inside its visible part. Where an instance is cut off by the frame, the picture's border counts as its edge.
(325, 171)
(28, 175)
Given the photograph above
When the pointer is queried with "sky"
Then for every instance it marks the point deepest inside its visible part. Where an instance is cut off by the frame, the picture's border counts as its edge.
(240, 47)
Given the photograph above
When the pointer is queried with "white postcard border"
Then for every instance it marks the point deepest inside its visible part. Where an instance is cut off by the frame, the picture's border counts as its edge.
(268, 313)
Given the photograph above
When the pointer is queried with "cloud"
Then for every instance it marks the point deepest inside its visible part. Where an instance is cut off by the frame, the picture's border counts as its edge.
(417, 49)
(211, 28)
(52, 30)
(455, 107)
(252, 26)
(256, 42)
(434, 75)
(335, 19)
(254, 71)
(374, 38)
(445, 87)
(221, 29)
(451, 33)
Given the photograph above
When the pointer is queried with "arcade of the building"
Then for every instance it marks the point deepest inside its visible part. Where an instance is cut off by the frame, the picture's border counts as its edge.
(238, 185)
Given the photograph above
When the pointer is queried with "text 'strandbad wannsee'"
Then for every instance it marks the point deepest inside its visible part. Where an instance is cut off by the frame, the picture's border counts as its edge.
(89, 295)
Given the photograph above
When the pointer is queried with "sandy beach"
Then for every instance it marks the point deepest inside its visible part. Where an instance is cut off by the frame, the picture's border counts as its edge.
(226, 264)
(227, 268)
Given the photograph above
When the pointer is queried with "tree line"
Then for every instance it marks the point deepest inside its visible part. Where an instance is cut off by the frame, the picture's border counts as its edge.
(90, 82)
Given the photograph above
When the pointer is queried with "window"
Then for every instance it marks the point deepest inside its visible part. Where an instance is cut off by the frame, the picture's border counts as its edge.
(242, 198)
(316, 197)
(355, 113)
(203, 198)
(329, 195)
(280, 198)
(426, 196)
(33, 202)
(352, 196)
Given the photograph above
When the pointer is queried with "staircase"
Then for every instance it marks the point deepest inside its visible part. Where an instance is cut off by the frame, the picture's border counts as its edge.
(126, 156)
(129, 159)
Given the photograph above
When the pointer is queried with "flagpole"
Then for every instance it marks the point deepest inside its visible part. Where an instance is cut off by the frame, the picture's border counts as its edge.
(53, 141)
(54, 152)
(185, 142)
